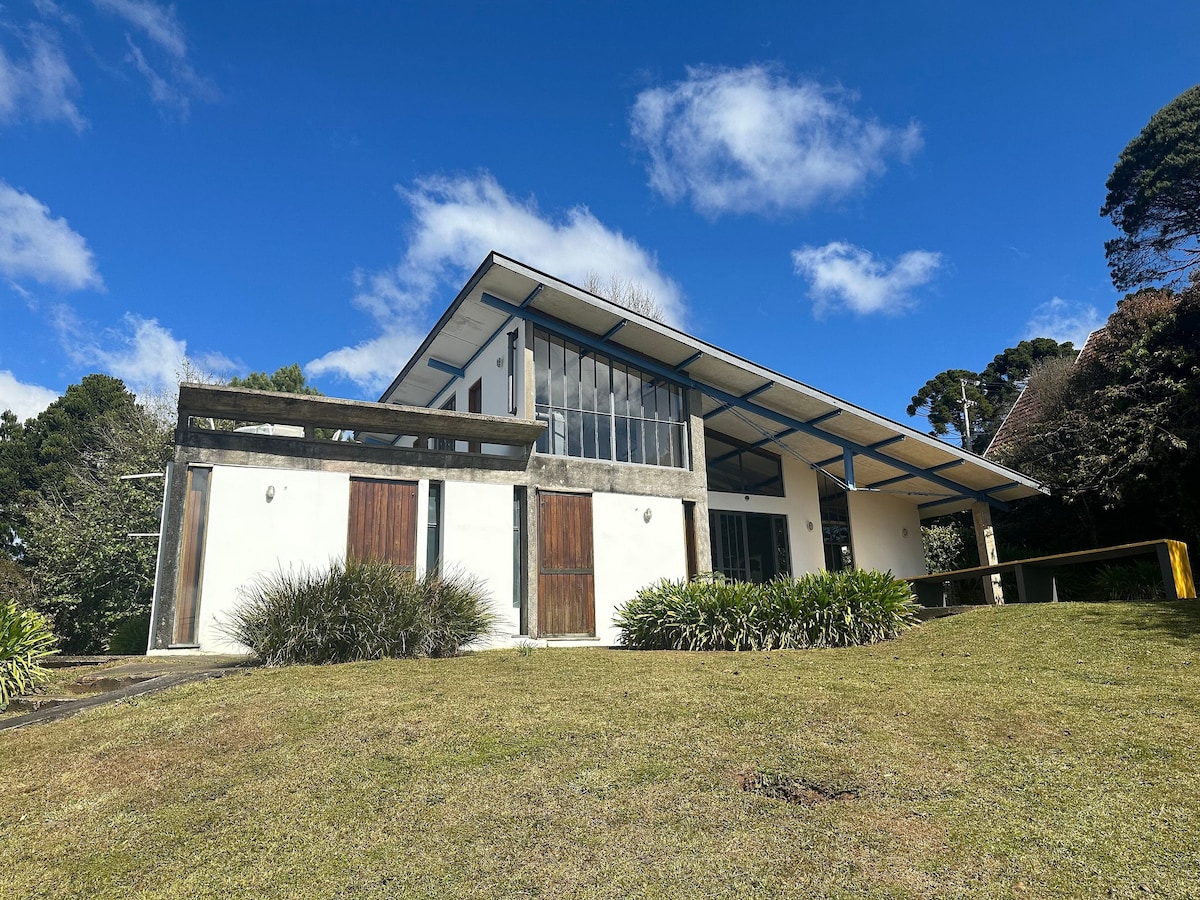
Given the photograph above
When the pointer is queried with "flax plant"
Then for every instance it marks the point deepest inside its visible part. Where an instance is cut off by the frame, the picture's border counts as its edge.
(819, 609)
(357, 610)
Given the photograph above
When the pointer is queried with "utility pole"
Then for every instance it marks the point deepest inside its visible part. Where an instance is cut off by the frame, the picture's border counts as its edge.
(966, 435)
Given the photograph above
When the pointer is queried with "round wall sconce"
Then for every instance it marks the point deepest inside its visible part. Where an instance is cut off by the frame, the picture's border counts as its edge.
(904, 531)
(647, 515)
(270, 493)
(810, 526)
(499, 362)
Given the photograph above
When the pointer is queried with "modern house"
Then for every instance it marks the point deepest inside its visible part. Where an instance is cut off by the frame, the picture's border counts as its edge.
(565, 450)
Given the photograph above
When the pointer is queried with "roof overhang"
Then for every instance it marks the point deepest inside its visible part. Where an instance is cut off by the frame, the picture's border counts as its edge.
(741, 399)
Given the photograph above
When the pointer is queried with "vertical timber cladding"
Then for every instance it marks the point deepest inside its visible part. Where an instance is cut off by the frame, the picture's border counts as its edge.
(383, 521)
(191, 557)
(566, 593)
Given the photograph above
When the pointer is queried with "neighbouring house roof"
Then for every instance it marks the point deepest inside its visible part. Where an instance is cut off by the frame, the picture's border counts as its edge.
(1029, 408)
(741, 399)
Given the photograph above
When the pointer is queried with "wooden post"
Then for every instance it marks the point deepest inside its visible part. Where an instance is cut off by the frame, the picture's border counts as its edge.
(985, 537)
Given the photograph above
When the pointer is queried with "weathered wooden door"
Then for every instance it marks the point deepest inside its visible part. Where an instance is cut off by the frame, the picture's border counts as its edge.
(191, 557)
(566, 598)
(383, 521)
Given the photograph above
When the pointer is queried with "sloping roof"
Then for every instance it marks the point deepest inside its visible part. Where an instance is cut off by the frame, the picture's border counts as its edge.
(1029, 408)
(741, 399)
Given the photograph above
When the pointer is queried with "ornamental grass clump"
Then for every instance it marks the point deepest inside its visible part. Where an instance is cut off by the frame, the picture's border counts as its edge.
(819, 609)
(25, 640)
(357, 610)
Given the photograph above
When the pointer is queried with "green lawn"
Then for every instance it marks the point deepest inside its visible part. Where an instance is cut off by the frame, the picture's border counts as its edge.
(1025, 751)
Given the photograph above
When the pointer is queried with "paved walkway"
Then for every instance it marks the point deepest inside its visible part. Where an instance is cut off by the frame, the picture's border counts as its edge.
(140, 675)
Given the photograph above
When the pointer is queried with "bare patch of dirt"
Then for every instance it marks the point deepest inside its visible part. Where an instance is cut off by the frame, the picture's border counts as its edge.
(791, 789)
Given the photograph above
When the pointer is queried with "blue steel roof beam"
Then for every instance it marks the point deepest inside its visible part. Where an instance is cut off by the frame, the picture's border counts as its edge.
(608, 335)
(445, 367)
(747, 396)
(986, 491)
(467, 365)
(655, 368)
(941, 467)
(532, 294)
(895, 439)
(687, 362)
(848, 468)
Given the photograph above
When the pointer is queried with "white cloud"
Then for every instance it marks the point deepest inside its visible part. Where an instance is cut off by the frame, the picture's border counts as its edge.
(751, 140)
(38, 85)
(842, 276)
(26, 400)
(141, 352)
(456, 222)
(1063, 320)
(157, 22)
(35, 245)
(173, 83)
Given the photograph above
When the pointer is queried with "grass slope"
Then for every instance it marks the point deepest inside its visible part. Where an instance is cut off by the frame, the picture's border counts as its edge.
(1025, 751)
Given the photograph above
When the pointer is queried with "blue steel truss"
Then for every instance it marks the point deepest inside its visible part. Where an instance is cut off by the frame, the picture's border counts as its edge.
(602, 343)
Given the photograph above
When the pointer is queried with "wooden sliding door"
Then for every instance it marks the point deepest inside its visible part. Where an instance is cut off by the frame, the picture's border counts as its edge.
(566, 598)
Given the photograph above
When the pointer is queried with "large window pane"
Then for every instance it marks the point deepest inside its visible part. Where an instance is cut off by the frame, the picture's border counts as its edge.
(736, 468)
(596, 408)
(557, 372)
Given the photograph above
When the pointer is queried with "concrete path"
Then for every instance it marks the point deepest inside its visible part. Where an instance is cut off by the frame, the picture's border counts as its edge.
(139, 676)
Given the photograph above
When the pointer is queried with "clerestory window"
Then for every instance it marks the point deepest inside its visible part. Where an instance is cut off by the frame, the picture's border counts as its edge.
(598, 408)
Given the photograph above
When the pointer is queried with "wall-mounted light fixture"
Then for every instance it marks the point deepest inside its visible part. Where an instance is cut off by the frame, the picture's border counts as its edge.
(810, 526)
(270, 493)
(499, 362)
(648, 515)
(904, 531)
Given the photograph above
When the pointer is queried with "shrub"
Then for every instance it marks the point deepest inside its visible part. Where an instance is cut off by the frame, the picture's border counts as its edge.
(355, 610)
(131, 636)
(820, 609)
(1133, 581)
(25, 639)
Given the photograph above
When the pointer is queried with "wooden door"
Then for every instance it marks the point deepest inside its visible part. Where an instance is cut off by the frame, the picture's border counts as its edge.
(383, 521)
(566, 599)
(191, 556)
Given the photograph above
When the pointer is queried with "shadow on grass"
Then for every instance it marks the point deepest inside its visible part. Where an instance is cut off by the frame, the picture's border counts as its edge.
(1177, 619)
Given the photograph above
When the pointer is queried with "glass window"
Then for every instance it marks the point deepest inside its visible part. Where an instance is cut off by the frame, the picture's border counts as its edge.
(433, 533)
(597, 408)
(735, 468)
(749, 546)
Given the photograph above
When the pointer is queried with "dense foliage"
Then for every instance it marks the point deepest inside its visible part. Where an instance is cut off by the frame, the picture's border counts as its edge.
(289, 379)
(25, 639)
(91, 575)
(820, 609)
(43, 452)
(355, 610)
(948, 546)
(1117, 436)
(990, 393)
(1154, 199)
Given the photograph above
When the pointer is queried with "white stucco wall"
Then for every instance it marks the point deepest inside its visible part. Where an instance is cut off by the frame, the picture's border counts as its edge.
(800, 503)
(886, 531)
(477, 537)
(630, 553)
(304, 524)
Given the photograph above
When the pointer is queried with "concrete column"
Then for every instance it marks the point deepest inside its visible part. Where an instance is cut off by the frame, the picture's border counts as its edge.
(699, 466)
(985, 537)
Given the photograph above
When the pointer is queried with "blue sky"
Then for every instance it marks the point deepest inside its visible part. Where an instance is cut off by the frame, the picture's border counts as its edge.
(859, 197)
